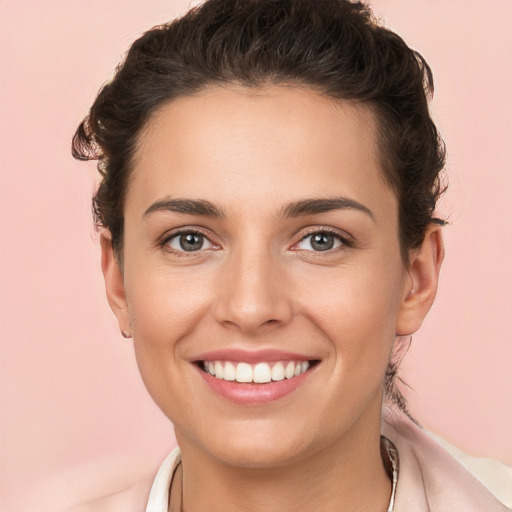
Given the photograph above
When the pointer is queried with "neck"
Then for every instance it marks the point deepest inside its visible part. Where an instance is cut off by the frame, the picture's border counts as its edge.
(349, 476)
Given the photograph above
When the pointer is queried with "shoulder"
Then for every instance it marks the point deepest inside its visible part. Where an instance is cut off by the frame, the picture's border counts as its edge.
(493, 474)
(112, 484)
(129, 499)
(436, 476)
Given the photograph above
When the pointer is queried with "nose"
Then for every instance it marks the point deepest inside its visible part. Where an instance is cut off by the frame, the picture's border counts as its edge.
(253, 296)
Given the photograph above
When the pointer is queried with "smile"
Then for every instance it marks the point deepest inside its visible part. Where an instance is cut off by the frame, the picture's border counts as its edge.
(260, 373)
(252, 378)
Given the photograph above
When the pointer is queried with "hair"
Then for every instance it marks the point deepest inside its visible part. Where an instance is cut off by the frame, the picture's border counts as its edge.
(334, 47)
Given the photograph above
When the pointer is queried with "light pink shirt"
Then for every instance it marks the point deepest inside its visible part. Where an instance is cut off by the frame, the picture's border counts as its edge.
(430, 479)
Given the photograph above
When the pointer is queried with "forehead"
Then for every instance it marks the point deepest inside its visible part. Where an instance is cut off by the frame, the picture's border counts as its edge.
(236, 145)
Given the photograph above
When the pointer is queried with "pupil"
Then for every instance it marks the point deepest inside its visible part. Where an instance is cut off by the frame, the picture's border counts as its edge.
(191, 242)
(322, 242)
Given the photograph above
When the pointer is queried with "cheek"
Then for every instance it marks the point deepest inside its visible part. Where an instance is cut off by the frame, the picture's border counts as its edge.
(164, 305)
(356, 312)
(165, 308)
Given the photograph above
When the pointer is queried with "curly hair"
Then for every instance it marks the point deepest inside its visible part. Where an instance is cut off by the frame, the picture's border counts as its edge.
(334, 47)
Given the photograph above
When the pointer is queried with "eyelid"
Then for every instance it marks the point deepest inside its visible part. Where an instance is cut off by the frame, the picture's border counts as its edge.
(344, 237)
(185, 230)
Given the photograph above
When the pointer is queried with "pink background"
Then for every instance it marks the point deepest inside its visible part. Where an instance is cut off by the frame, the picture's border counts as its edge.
(76, 419)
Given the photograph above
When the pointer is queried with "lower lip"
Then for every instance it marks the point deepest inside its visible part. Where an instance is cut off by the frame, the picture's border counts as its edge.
(251, 392)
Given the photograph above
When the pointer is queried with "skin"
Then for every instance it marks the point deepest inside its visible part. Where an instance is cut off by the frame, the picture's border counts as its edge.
(258, 283)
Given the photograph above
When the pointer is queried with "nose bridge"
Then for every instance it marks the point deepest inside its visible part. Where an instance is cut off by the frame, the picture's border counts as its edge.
(252, 295)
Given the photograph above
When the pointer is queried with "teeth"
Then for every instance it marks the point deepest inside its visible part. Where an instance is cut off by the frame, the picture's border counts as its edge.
(243, 372)
(260, 373)
(289, 372)
(218, 370)
(229, 371)
(278, 372)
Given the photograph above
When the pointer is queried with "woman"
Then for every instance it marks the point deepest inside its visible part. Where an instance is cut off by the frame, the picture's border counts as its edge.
(270, 176)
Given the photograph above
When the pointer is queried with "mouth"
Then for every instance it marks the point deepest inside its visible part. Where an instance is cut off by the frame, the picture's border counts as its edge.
(254, 378)
(258, 373)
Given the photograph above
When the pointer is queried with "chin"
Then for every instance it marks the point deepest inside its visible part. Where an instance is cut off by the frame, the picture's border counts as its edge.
(258, 455)
(257, 444)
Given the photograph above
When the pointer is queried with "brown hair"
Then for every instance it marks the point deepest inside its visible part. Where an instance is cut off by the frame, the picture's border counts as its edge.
(334, 47)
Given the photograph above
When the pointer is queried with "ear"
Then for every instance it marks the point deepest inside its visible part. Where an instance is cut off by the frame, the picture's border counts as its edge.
(114, 282)
(421, 286)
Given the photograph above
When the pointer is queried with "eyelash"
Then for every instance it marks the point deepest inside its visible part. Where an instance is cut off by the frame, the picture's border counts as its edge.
(345, 241)
(181, 232)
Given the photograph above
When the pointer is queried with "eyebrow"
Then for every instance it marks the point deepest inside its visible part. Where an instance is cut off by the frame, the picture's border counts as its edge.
(187, 206)
(316, 206)
(300, 208)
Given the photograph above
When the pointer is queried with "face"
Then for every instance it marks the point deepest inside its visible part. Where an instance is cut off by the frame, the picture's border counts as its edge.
(261, 244)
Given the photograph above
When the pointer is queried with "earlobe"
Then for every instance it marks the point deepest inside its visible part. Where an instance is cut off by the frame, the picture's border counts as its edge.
(114, 282)
(421, 286)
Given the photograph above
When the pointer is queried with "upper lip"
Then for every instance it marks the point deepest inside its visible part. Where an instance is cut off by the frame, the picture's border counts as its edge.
(251, 356)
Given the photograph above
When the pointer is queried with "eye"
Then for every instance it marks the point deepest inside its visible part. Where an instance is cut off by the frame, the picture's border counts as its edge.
(189, 241)
(321, 241)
